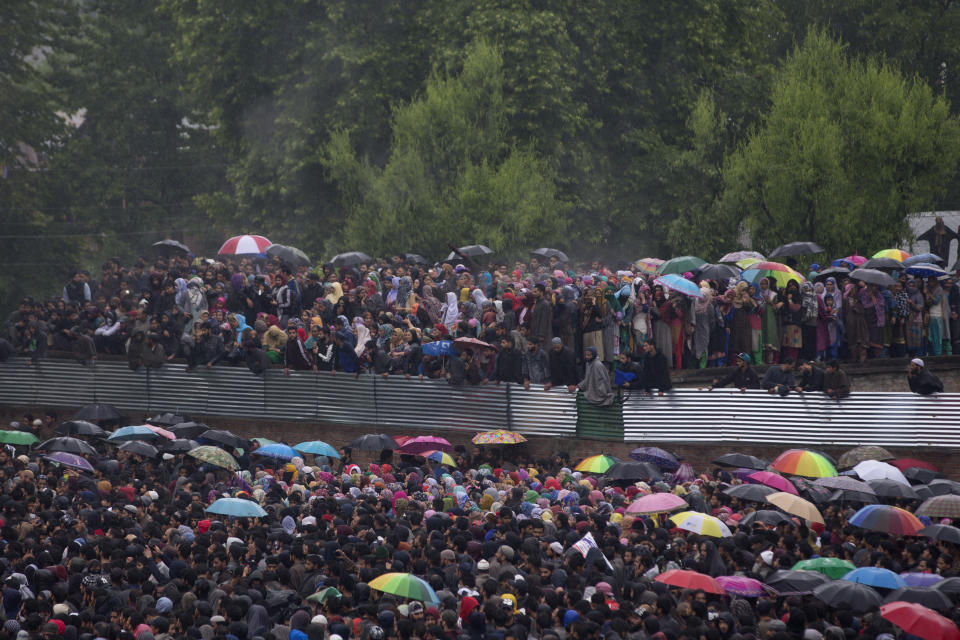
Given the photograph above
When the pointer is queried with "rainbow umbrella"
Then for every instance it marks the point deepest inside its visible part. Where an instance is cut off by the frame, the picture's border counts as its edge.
(441, 457)
(801, 462)
(894, 254)
(596, 464)
(498, 436)
(700, 523)
(405, 585)
(746, 263)
(780, 273)
(657, 503)
(648, 265)
(833, 568)
(743, 586)
(887, 519)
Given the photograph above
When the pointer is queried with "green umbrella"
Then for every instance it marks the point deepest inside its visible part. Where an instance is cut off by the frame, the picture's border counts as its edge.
(680, 265)
(405, 585)
(214, 456)
(320, 596)
(18, 437)
(833, 568)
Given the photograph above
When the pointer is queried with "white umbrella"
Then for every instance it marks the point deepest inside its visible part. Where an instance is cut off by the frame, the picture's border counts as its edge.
(875, 470)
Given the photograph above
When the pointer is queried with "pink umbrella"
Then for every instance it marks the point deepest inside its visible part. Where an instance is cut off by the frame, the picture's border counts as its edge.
(657, 503)
(163, 433)
(742, 586)
(420, 444)
(774, 480)
(855, 259)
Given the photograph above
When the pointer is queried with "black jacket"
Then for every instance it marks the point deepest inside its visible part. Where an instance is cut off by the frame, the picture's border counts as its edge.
(656, 373)
(508, 366)
(924, 383)
(741, 379)
(563, 367)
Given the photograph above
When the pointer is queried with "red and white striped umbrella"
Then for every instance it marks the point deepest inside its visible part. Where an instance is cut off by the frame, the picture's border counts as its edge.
(244, 246)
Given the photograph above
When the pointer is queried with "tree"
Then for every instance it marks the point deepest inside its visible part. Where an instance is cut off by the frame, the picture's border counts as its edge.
(848, 149)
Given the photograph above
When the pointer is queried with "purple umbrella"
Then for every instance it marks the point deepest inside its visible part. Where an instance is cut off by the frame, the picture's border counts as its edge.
(655, 455)
(741, 586)
(69, 460)
(914, 579)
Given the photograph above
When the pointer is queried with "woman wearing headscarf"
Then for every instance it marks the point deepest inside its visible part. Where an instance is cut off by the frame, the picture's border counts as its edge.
(661, 330)
(720, 335)
(363, 334)
(935, 328)
(429, 305)
(791, 315)
(770, 321)
(809, 319)
(591, 324)
(874, 313)
(741, 335)
(704, 319)
(565, 317)
(899, 316)
(404, 288)
(334, 292)
(611, 324)
(855, 325)
(450, 312)
(372, 300)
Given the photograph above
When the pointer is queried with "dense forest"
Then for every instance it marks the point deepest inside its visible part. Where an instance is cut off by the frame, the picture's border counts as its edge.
(614, 129)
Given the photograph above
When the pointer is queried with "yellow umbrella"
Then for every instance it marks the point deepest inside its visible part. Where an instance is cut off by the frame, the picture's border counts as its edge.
(701, 523)
(795, 505)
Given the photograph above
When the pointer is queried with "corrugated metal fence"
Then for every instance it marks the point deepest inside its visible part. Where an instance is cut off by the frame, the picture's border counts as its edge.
(893, 419)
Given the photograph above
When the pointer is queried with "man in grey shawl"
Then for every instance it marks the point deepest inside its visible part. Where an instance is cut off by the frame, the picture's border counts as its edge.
(596, 381)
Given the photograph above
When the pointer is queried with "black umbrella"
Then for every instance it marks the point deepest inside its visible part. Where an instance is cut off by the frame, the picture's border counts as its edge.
(919, 475)
(882, 263)
(225, 437)
(765, 516)
(631, 470)
(350, 259)
(795, 249)
(923, 490)
(166, 419)
(168, 246)
(741, 460)
(752, 492)
(140, 448)
(288, 255)
(66, 444)
(787, 582)
(188, 429)
(872, 276)
(470, 251)
(721, 272)
(843, 593)
(944, 532)
(414, 258)
(98, 411)
(948, 585)
(852, 495)
(892, 489)
(942, 486)
(545, 252)
(927, 596)
(831, 272)
(80, 428)
(374, 442)
(180, 445)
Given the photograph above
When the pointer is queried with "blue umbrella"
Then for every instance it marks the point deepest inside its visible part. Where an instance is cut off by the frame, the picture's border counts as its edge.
(925, 270)
(138, 432)
(917, 579)
(923, 257)
(657, 456)
(439, 348)
(678, 283)
(277, 450)
(875, 577)
(237, 507)
(317, 448)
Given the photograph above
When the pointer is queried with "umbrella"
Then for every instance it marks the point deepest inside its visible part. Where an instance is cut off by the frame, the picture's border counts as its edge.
(946, 506)
(700, 523)
(917, 475)
(498, 436)
(679, 284)
(741, 460)
(67, 444)
(802, 462)
(765, 516)
(736, 256)
(69, 460)
(224, 438)
(944, 532)
(405, 585)
(892, 489)
(440, 457)
(911, 463)
(861, 453)
(321, 596)
(596, 464)
(215, 456)
(795, 249)
(18, 437)
(795, 505)
(872, 276)
(832, 272)
(926, 270)
(719, 272)
(751, 492)
(317, 448)
(855, 259)
(189, 429)
(140, 448)
(160, 431)
(350, 259)
(916, 579)
(137, 432)
(892, 254)
(414, 258)
(942, 486)
(277, 450)
(779, 273)
(657, 503)
(932, 598)
(875, 577)
(438, 348)
(426, 443)
(743, 586)
(168, 246)
(633, 471)
(180, 445)
(848, 489)
(648, 265)
(948, 585)
(876, 470)
(923, 490)
(166, 419)
(685, 579)
(288, 255)
(657, 456)
(80, 428)
(920, 621)
(840, 593)
(771, 479)
(545, 252)
(373, 442)
(98, 411)
(892, 520)
(747, 262)
(680, 265)
(236, 507)
(472, 343)
(923, 258)
(882, 263)
(792, 582)
(471, 251)
(246, 245)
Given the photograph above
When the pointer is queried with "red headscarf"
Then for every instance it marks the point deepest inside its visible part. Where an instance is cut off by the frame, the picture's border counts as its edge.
(467, 605)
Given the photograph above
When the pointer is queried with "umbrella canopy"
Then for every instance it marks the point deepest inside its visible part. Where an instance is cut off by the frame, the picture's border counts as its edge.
(545, 252)
(420, 444)
(160, 431)
(887, 264)
(887, 519)
(741, 460)
(911, 463)
(944, 532)
(414, 258)
(771, 479)
(875, 577)
(657, 503)
(166, 419)
(690, 580)
(926, 270)
(189, 429)
(245, 245)
(67, 444)
(179, 445)
(719, 272)
(942, 486)
(946, 506)
(596, 464)
(317, 448)
(743, 586)
(929, 258)
(780, 273)
(350, 259)
(440, 457)
(678, 283)
(473, 343)
(633, 471)
(795, 505)
(648, 266)
(215, 456)
(224, 437)
(98, 411)
(657, 456)
(892, 489)
(373, 442)
(861, 453)
(854, 259)
(438, 348)
(701, 523)
(69, 460)
(917, 475)
(140, 448)
(80, 428)
(831, 272)
(136, 432)
(948, 585)
(289, 255)
(876, 470)
(168, 246)
(917, 579)
(768, 517)
(795, 249)
(18, 437)
(845, 483)
(931, 598)
(277, 450)
(736, 256)
(498, 436)
(236, 507)
(833, 568)
(840, 593)
(792, 582)
(751, 492)
(892, 254)
(321, 596)
(405, 585)
(471, 251)
(802, 462)
(680, 265)
(919, 621)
